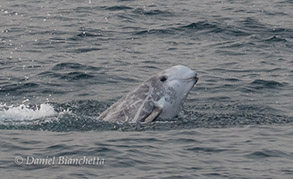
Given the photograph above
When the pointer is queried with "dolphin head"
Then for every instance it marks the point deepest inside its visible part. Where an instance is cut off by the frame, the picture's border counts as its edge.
(160, 96)
(174, 84)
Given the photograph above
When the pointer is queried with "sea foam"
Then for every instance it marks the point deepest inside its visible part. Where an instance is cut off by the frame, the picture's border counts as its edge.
(24, 112)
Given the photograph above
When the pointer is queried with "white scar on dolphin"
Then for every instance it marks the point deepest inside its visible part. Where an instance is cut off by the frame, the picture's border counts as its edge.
(161, 96)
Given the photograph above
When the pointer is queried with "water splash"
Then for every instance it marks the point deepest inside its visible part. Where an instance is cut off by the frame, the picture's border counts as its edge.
(24, 112)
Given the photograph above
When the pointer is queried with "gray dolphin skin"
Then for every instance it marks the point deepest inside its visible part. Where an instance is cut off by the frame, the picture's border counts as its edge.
(162, 96)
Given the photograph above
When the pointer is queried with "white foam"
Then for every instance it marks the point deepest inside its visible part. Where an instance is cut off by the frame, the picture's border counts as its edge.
(24, 113)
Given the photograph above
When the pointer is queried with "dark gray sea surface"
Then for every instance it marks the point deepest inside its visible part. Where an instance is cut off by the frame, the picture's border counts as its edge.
(248, 152)
(62, 63)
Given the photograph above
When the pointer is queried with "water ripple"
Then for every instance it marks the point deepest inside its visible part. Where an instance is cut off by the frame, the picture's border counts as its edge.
(118, 8)
(266, 84)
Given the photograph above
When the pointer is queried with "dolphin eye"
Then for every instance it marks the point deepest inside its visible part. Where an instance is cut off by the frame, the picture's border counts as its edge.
(163, 78)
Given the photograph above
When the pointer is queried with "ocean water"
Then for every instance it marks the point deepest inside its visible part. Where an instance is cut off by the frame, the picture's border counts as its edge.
(62, 63)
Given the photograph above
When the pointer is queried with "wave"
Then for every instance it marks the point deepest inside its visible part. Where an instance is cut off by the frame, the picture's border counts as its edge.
(19, 88)
(74, 66)
(118, 8)
(259, 84)
(275, 39)
(152, 12)
(198, 27)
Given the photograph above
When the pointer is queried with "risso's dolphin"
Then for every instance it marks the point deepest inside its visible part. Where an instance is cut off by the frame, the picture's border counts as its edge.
(162, 96)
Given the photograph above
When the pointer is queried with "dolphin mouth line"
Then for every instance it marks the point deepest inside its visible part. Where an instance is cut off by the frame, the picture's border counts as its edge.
(196, 79)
